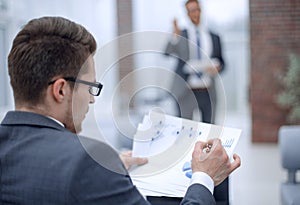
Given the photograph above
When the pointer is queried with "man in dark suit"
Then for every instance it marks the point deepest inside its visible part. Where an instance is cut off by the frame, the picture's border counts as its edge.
(42, 159)
(200, 59)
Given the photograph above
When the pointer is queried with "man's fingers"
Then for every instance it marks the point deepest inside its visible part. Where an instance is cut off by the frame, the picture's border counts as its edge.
(139, 160)
(127, 153)
(209, 145)
(214, 141)
(130, 161)
(236, 163)
(199, 146)
(175, 22)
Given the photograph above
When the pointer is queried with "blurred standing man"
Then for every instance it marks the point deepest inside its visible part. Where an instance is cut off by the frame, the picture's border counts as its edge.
(42, 159)
(200, 59)
(199, 55)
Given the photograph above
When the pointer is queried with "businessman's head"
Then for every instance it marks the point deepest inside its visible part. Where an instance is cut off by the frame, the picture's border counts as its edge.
(46, 57)
(193, 11)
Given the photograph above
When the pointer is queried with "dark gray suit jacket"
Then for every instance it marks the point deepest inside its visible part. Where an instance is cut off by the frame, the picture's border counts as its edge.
(41, 163)
(181, 52)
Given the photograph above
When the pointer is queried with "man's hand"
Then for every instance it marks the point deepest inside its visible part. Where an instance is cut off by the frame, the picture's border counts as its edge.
(212, 70)
(176, 29)
(213, 160)
(130, 161)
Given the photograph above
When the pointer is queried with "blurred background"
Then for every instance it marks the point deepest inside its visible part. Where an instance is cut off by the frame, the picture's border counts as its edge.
(257, 38)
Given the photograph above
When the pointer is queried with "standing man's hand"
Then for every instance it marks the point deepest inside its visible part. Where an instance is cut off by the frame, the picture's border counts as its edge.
(213, 70)
(214, 67)
(210, 157)
(176, 29)
(130, 161)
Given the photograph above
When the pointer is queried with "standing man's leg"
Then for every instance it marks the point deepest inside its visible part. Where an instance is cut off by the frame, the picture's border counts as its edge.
(187, 105)
(204, 105)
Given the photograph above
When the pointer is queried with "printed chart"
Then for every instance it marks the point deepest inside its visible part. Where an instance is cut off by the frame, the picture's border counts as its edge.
(168, 142)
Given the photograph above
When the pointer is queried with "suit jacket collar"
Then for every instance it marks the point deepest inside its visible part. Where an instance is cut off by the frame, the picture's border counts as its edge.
(31, 119)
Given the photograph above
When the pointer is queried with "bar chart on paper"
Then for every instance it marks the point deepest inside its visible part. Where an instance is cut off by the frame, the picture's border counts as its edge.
(168, 143)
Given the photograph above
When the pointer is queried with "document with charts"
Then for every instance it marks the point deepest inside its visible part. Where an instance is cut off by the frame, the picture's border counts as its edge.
(168, 142)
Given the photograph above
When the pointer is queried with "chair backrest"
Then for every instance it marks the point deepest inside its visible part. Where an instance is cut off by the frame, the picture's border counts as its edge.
(289, 145)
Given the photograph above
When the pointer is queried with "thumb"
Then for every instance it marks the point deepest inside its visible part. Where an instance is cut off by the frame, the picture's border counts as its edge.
(236, 163)
(139, 161)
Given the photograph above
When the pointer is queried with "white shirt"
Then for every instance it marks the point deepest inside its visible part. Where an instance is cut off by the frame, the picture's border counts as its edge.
(199, 65)
(59, 122)
(204, 179)
(205, 41)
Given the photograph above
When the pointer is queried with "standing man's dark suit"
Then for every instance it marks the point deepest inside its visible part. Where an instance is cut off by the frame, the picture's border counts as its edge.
(205, 99)
(43, 163)
(180, 50)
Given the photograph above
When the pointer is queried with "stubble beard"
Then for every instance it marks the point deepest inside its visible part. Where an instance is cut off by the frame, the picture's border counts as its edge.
(73, 123)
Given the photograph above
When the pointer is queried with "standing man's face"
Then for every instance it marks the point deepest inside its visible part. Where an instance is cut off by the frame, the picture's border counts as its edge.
(193, 11)
(79, 105)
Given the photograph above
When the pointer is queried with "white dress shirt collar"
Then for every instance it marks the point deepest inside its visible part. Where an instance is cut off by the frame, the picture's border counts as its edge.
(60, 123)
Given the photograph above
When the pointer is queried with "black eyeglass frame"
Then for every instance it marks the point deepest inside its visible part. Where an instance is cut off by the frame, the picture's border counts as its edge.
(75, 80)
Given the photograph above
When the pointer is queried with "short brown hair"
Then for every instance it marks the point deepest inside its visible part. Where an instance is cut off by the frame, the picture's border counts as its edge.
(45, 48)
(189, 1)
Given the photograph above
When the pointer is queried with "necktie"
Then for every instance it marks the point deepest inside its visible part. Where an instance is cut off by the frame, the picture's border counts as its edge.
(198, 45)
(199, 74)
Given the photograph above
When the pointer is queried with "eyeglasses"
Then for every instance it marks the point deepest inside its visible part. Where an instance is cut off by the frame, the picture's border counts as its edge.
(95, 88)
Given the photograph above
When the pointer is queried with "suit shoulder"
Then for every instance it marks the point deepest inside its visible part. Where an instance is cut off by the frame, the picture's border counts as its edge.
(103, 154)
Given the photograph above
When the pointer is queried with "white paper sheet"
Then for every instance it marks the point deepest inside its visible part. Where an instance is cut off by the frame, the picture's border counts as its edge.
(168, 143)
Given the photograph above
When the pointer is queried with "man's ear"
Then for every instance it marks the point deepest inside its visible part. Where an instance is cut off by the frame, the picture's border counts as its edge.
(59, 90)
